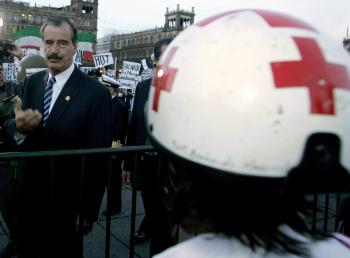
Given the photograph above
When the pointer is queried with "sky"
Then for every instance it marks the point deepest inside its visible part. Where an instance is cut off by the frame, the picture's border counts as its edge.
(329, 16)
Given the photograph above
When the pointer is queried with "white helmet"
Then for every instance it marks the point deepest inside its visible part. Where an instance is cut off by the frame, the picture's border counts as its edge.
(243, 91)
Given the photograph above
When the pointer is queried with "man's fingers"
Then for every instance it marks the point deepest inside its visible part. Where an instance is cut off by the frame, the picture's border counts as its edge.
(27, 120)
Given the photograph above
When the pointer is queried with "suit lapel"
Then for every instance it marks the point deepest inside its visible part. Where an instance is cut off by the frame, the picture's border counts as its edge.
(66, 96)
(38, 100)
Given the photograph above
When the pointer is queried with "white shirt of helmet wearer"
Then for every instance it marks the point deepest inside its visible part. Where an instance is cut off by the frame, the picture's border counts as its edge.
(219, 246)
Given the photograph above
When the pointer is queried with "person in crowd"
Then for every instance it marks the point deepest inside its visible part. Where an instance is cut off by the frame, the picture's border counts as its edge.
(9, 171)
(243, 159)
(29, 65)
(61, 108)
(120, 118)
(137, 135)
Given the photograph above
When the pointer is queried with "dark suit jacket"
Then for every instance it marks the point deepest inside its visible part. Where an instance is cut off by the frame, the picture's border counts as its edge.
(80, 118)
(120, 119)
(137, 133)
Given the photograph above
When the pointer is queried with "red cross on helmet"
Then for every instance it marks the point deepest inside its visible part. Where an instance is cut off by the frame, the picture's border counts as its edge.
(253, 93)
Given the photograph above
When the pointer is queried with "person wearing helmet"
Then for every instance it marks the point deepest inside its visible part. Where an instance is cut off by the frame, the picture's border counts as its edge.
(242, 159)
(31, 64)
(8, 89)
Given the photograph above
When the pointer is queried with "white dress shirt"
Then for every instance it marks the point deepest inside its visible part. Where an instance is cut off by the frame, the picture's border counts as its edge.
(61, 80)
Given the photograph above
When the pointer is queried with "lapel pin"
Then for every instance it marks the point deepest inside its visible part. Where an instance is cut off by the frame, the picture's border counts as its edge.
(67, 98)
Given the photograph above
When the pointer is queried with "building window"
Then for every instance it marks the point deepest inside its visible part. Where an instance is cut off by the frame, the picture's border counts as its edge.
(87, 10)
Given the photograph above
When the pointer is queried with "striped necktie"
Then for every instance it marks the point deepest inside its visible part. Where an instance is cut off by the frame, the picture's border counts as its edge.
(48, 98)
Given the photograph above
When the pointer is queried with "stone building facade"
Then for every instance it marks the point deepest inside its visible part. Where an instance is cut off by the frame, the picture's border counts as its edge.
(139, 45)
(21, 22)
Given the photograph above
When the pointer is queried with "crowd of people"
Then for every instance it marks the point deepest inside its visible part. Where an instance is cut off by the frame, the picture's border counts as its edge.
(241, 143)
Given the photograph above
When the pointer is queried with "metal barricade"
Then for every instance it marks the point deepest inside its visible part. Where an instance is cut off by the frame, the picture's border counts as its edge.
(123, 152)
(324, 217)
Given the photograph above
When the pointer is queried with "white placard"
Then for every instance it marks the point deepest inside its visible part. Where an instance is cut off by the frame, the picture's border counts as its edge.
(79, 56)
(131, 67)
(144, 64)
(128, 78)
(10, 71)
(147, 74)
(127, 84)
(86, 70)
(103, 59)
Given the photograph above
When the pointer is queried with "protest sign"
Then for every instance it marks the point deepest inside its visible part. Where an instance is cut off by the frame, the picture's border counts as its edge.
(147, 74)
(103, 59)
(10, 71)
(86, 70)
(128, 76)
(110, 73)
(79, 56)
(144, 64)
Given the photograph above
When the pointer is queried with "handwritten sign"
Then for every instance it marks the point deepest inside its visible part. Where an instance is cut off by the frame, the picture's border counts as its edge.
(10, 71)
(79, 56)
(103, 59)
(128, 78)
(147, 74)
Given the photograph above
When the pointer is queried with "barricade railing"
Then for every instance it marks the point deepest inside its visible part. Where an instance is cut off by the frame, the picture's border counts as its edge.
(325, 216)
(329, 212)
(131, 152)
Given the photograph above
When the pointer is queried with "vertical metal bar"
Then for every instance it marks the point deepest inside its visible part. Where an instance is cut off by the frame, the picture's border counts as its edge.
(108, 217)
(52, 183)
(314, 215)
(134, 176)
(153, 218)
(81, 204)
(326, 211)
(336, 212)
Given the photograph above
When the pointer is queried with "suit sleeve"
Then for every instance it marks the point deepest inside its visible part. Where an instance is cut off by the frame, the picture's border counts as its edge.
(120, 121)
(131, 135)
(10, 122)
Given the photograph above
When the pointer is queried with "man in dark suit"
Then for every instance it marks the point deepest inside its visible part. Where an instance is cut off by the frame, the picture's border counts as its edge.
(62, 109)
(137, 135)
(120, 119)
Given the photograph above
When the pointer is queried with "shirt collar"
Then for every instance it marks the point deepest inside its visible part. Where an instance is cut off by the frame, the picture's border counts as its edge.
(63, 77)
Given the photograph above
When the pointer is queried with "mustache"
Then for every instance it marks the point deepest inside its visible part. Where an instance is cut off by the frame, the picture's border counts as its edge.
(54, 56)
